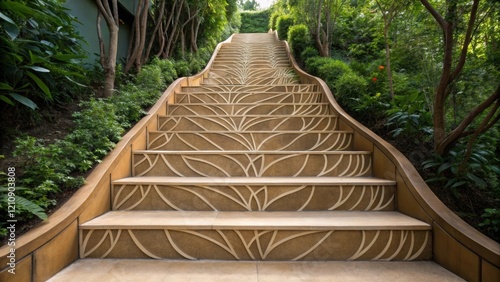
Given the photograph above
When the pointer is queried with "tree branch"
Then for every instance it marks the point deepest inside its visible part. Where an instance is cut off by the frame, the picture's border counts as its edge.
(467, 40)
(458, 132)
(441, 21)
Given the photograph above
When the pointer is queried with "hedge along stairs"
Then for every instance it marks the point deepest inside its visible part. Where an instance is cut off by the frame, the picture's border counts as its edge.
(251, 165)
(251, 170)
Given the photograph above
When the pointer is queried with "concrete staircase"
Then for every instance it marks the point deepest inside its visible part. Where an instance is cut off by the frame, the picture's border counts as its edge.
(251, 166)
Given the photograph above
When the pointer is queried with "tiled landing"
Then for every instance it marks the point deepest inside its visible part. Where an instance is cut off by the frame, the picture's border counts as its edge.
(109, 270)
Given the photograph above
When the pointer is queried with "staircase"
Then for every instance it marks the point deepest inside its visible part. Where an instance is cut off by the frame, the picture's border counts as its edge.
(251, 166)
(250, 176)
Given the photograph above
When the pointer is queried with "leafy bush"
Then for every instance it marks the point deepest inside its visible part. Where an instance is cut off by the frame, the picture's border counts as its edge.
(331, 71)
(273, 19)
(308, 53)
(349, 87)
(491, 222)
(410, 116)
(167, 68)
(315, 63)
(38, 52)
(299, 38)
(478, 172)
(254, 21)
(151, 76)
(283, 24)
(182, 68)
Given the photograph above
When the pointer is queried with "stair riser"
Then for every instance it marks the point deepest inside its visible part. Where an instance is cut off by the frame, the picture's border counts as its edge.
(236, 89)
(308, 245)
(251, 80)
(227, 164)
(225, 71)
(258, 56)
(253, 198)
(252, 109)
(248, 123)
(256, 98)
(255, 141)
(254, 64)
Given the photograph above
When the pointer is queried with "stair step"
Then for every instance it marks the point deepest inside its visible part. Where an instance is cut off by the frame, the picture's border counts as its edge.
(252, 80)
(224, 70)
(253, 194)
(247, 97)
(292, 88)
(256, 235)
(250, 141)
(247, 73)
(249, 164)
(258, 64)
(125, 270)
(254, 220)
(207, 109)
(247, 123)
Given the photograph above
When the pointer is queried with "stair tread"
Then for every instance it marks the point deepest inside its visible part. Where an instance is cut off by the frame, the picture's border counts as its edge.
(250, 220)
(250, 104)
(97, 270)
(209, 152)
(255, 132)
(151, 180)
(253, 116)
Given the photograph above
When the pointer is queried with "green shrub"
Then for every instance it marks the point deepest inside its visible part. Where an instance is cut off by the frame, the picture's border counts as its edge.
(410, 115)
(273, 20)
(167, 68)
(254, 21)
(283, 25)
(491, 222)
(129, 105)
(308, 53)
(39, 50)
(299, 39)
(331, 71)
(151, 76)
(315, 63)
(182, 68)
(349, 87)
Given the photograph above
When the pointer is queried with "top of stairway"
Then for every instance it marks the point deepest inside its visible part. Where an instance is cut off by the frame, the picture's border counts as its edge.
(152, 180)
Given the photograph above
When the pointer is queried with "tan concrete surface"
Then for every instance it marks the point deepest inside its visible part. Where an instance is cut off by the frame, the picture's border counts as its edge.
(109, 270)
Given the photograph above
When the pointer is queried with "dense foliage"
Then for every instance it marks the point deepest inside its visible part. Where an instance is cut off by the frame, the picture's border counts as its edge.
(40, 70)
(254, 21)
(49, 169)
(383, 62)
(39, 49)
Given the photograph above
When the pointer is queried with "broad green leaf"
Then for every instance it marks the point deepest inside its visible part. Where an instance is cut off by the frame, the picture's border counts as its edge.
(5, 86)
(79, 84)
(24, 100)
(12, 30)
(40, 84)
(6, 100)
(443, 167)
(31, 207)
(36, 59)
(476, 179)
(38, 69)
(6, 18)
(67, 57)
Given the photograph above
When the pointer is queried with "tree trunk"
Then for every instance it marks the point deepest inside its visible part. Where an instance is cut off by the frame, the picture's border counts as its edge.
(138, 37)
(157, 30)
(108, 59)
(443, 140)
(388, 61)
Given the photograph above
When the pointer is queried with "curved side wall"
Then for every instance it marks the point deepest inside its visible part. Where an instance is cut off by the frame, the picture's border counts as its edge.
(52, 245)
(457, 246)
